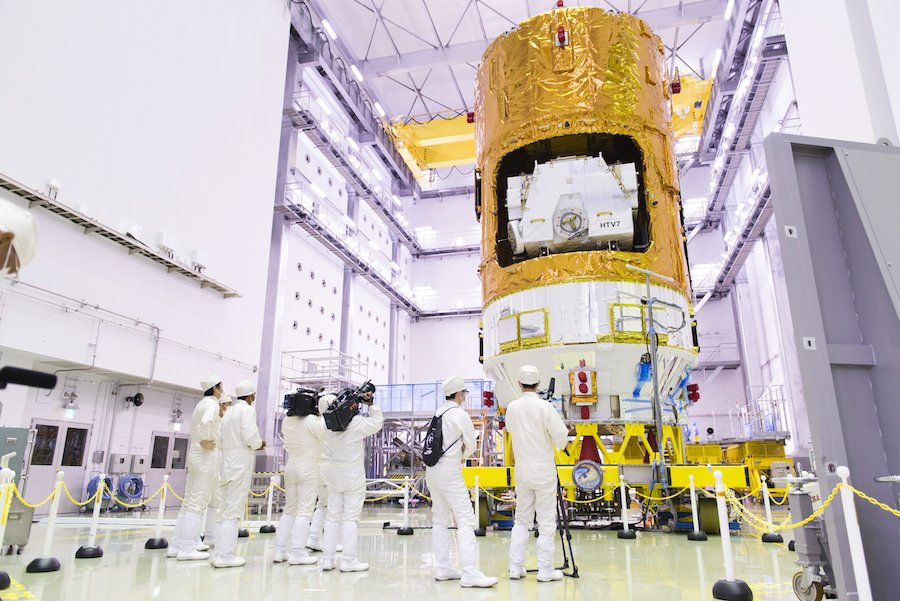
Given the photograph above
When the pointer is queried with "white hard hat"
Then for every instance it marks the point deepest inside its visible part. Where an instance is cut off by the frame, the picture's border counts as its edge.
(24, 229)
(529, 375)
(245, 388)
(453, 385)
(209, 382)
(225, 399)
(324, 401)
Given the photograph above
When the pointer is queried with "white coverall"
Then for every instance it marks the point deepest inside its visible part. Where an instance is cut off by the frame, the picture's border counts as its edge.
(318, 520)
(536, 430)
(303, 439)
(202, 473)
(347, 484)
(449, 493)
(240, 441)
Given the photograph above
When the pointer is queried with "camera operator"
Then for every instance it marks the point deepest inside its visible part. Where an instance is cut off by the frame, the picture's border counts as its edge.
(303, 432)
(317, 526)
(347, 483)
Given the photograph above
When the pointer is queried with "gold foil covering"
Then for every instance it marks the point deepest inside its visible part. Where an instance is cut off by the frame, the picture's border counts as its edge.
(608, 79)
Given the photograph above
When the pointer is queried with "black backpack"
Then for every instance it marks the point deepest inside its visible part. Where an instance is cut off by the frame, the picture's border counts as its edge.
(433, 449)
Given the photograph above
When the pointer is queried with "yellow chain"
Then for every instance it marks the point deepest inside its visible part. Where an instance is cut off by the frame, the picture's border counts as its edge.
(419, 492)
(279, 488)
(7, 502)
(379, 498)
(80, 503)
(174, 494)
(263, 493)
(495, 498)
(35, 506)
(786, 525)
(583, 501)
(783, 499)
(652, 498)
(874, 502)
(130, 505)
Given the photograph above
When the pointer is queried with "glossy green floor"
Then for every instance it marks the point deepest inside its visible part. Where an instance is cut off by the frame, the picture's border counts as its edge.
(656, 567)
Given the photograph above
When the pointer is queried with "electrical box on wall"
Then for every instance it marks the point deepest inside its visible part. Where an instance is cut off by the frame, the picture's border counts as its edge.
(139, 463)
(119, 463)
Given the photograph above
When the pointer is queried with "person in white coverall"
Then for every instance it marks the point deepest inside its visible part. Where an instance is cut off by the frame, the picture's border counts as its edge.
(347, 486)
(450, 495)
(202, 466)
(240, 442)
(303, 437)
(536, 430)
(317, 526)
(209, 528)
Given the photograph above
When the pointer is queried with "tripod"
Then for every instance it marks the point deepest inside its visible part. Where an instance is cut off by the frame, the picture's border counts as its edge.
(565, 535)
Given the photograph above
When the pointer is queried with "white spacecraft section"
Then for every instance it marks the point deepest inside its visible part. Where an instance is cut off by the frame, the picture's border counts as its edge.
(570, 204)
(554, 327)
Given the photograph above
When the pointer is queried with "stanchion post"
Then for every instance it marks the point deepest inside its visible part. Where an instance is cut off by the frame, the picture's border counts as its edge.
(158, 542)
(268, 527)
(92, 550)
(405, 530)
(48, 563)
(6, 476)
(479, 531)
(696, 534)
(854, 538)
(625, 532)
(729, 589)
(768, 537)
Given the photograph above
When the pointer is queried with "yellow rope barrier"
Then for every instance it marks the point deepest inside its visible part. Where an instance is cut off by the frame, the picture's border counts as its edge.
(657, 499)
(495, 498)
(35, 506)
(263, 493)
(380, 498)
(93, 499)
(279, 488)
(783, 499)
(118, 501)
(174, 494)
(7, 502)
(420, 493)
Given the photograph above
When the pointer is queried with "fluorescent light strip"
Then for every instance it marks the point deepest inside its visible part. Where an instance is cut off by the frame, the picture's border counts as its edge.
(379, 110)
(356, 73)
(329, 29)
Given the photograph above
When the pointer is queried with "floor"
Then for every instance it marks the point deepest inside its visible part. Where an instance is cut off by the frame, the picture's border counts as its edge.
(657, 567)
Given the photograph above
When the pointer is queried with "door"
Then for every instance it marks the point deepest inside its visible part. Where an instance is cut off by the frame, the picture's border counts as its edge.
(168, 456)
(57, 446)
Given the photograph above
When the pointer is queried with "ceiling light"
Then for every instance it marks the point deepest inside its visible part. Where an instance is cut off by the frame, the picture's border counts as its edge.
(329, 29)
(352, 144)
(377, 175)
(379, 110)
(729, 9)
(356, 73)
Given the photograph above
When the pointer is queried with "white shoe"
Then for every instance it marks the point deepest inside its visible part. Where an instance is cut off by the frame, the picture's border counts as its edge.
(315, 547)
(339, 549)
(202, 547)
(233, 561)
(477, 581)
(516, 573)
(280, 556)
(446, 574)
(302, 560)
(171, 552)
(192, 555)
(327, 565)
(550, 576)
(356, 566)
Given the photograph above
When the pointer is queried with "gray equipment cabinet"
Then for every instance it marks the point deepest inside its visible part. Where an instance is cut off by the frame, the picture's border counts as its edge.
(837, 207)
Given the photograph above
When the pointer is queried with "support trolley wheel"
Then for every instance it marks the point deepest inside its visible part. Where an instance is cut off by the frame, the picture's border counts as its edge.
(814, 592)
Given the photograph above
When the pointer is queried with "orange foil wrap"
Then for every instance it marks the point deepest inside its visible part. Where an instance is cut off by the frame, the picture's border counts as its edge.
(608, 79)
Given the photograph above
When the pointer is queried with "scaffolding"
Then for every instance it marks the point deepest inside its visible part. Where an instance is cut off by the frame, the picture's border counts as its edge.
(396, 451)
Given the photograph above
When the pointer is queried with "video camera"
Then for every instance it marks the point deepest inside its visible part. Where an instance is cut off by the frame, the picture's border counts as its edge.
(305, 401)
(345, 407)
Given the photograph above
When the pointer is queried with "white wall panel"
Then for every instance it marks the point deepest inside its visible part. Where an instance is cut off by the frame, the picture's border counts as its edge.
(441, 348)
(162, 125)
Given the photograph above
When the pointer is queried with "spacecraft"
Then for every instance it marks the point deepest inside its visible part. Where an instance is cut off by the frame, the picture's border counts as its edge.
(576, 181)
